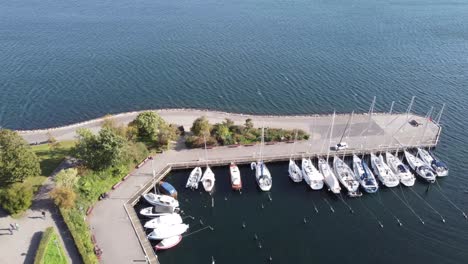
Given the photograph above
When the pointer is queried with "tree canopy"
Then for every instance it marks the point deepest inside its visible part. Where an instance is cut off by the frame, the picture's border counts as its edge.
(99, 151)
(201, 127)
(17, 160)
(152, 129)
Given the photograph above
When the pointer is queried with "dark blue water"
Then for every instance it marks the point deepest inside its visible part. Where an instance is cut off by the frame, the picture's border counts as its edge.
(63, 62)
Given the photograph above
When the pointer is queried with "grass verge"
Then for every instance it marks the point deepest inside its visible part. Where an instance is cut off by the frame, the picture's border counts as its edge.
(50, 250)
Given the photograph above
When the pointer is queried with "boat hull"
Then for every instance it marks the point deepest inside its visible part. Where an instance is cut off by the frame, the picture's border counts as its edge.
(236, 180)
(168, 243)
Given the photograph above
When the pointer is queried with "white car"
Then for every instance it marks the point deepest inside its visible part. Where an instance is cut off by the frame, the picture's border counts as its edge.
(341, 146)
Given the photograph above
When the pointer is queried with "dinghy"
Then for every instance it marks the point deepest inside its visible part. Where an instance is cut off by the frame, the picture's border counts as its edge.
(168, 242)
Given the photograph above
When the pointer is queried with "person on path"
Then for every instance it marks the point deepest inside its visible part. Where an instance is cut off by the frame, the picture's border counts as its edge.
(12, 227)
(17, 226)
(43, 215)
(11, 230)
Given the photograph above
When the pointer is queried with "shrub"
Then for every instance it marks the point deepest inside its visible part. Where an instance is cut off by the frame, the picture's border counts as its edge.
(46, 235)
(67, 178)
(63, 197)
(17, 198)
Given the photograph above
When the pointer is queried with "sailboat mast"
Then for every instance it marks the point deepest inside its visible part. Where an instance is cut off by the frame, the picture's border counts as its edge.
(425, 125)
(349, 131)
(206, 152)
(440, 114)
(331, 133)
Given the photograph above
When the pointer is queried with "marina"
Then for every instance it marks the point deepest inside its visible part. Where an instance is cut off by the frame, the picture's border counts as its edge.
(180, 170)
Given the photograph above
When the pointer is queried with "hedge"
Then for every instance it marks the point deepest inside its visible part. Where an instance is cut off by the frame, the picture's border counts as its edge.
(46, 235)
(79, 230)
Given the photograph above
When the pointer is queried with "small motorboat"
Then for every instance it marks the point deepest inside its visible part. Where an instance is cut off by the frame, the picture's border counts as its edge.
(364, 175)
(294, 172)
(401, 170)
(194, 178)
(208, 179)
(161, 201)
(329, 177)
(168, 242)
(169, 219)
(236, 181)
(440, 168)
(168, 231)
(151, 212)
(383, 172)
(421, 169)
(167, 189)
(311, 175)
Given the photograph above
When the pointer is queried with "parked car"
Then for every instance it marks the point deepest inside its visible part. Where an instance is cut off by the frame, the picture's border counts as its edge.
(341, 146)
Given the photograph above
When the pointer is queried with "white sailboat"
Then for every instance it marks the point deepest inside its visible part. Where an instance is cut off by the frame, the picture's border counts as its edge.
(364, 175)
(328, 176)
(161, 199)
(383, 172)
(168, 231)
(194, 178)
(208, 179)
(346, 176)
(294, 171)
(421, 169)
(164, 220)
(311, 175)
(438, 166)
(262, 174)
(400, 169)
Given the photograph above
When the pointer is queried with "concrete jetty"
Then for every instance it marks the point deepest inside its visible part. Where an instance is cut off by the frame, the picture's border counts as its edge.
(367, 133)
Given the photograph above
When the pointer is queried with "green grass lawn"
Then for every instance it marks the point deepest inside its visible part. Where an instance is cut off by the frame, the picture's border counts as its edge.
(54, 253)
(50, 159)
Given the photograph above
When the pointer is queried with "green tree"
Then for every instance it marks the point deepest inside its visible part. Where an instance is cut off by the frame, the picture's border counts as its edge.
(17, 160)
(148, 125)
(67, 178)
(201, 127)
(249, 124)
(99, 151)
(17, 198)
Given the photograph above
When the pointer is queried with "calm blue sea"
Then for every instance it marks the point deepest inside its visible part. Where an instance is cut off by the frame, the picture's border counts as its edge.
(67, 61)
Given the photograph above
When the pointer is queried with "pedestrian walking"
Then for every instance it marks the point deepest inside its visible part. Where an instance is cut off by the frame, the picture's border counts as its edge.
(12, 227)
(17, 226)
(43, 215)
(11, 230)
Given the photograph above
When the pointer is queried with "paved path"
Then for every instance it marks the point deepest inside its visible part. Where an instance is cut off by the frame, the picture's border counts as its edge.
(22, 245)
(318, 125)
(109, 214)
